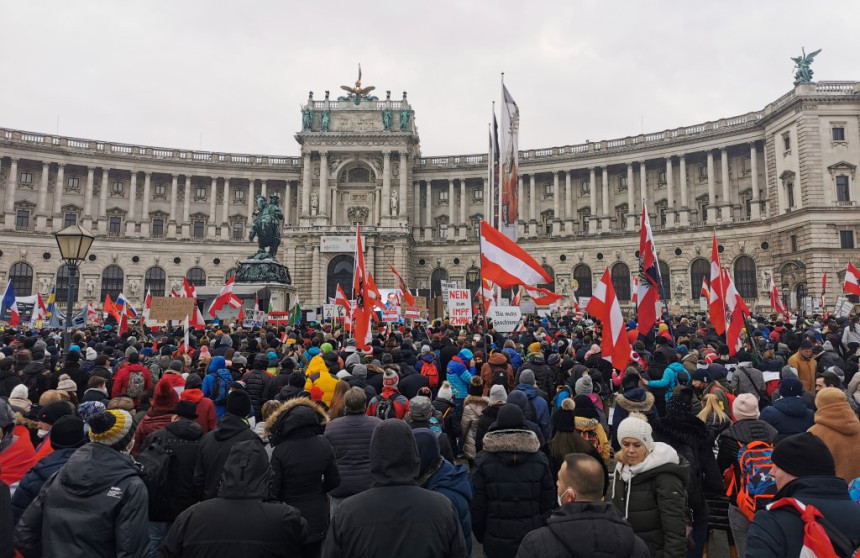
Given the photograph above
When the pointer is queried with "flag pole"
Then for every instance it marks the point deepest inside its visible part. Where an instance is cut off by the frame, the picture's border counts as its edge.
(481, 273)
(501, 159)
(488, 203)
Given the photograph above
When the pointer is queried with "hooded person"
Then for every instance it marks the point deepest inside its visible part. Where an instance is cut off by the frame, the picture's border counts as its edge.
(319, 375)
(513, 485)
(295, 387)
(127, 379)
(216, 384)
(207, 417)
(98, 486)
(544, 375)
(240, 521)
(497, 370)
(537, 410)
(789, 415)
(159, 415)
(358, 378)
(632, 399)
(427, 523)
(439, 475)
(8, 378)
(839, 429)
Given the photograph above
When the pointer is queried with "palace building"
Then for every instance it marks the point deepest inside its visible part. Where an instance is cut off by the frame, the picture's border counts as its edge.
(778, 185)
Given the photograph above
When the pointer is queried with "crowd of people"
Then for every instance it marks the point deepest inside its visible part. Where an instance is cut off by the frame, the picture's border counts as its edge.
(294, 441)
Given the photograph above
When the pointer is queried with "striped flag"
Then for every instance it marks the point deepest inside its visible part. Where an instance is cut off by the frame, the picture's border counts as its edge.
(706, 290)
(505, 263)
(615, 346)
(775, 301)
(541, 296)
(850, 284)
(407, 296)
(717, 295)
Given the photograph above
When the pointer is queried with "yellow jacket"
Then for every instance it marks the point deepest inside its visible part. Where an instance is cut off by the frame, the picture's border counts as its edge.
(324, 380)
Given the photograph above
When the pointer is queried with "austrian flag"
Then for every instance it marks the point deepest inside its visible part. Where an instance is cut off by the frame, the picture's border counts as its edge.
(225, 297)
(505, 263)
(604, 306)
(851, 277)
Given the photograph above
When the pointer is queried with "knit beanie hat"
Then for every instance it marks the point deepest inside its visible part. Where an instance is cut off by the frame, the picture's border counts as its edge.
(114, 428)
(420, 408)
(66, 383)
(510, 417)
(390, 379)
(828, 396)
(445, 392)
(316, 393)
(239, 403)
(19, 392)
(534, 348)
(476, 386)
(745, 407)
(498, 394)
(804, 455)
(89, 408)
(527, 377)
(193, 381)
(635, 426)
(68, 432)
(465, 355)
(326, 348)
(165, 397)
(175, 365)
(186, 409)
(584, 386)
(261, 361)
(681, 403)
(520, 399)
(584, 407)
(564, 420)
(791, 387)
(51, 413)
(359, 371)
(296, 379)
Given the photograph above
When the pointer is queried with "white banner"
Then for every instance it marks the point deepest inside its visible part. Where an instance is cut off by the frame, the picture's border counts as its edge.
(505, 318)
(446, 286)
(459, 307)
(254, 318)
(340, 244)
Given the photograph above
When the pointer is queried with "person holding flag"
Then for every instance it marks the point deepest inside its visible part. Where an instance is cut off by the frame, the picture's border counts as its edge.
(9, 304)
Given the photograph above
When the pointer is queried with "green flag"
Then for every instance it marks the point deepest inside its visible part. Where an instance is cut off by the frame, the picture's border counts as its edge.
(296, 315)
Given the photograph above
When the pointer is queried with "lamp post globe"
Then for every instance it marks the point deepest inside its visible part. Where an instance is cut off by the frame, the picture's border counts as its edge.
(74, 243)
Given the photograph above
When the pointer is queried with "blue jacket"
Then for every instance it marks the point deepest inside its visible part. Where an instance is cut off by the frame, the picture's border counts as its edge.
(453, 482)
(32, 482)
(789, 416)
(670, 378)
(429, 357)
(540, 406)
(516, 358)
(459, 376)
(209, 389)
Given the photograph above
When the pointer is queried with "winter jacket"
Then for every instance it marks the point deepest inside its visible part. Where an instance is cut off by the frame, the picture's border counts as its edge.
(584, 529)
(747, 379)
(303, 462)
(410, 382)
(36, 477)
(78, 375)
(636, 400)
(215, 387)
(395, 517)
(153, 421)
(446, 353)
(453, 482)
(17, 458)
(513, 489)
(401, 404)
(541, 409)
(7, 526)
(805, 370)
(207, 417)
(95, 506)
(544, 375)
(289, 392)
(94, 394)
(838, 426)
(515, 357)
(473, 407)
(591, 430)
(827, 358)
(239, 523)
(652, 496)
(275, 384)
(789, 416)
(318, 375)
(8, 380)
(214, 449)
(120, 381)
(182, 438)
(496, 363)
(256, 382)
(459, 375)
(349, 437)
(780, 533)
(673, 375)
(485, 421)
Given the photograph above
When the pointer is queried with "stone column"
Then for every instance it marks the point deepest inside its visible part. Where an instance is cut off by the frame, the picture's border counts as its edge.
(726, 206)
(11, 190)
(532, 201)
(59, 189)
(316, 280)
(631, 203)
(103, 194)
(682, 185)
(286, 203)
(404, 185)
(755, 208)
(306, 186)
(643, 190)
(591, 226)
(42, 200)
(463, 203)
(428, 210)
(213, 198)
(568, 203)
(416, 209)
(452, 222)
(670, 193)
(174, 196)
(186, 207)
(88, 198)
(605, 219)
(556, 206)
(252, 202)
(263, 190)
(225, 211)
(521, 198)
(712, 191)
(144, 218)
(386, 188)
(132, 201)
(325, 196)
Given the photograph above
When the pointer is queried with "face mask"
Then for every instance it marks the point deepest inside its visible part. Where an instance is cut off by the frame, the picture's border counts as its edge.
(42, 433)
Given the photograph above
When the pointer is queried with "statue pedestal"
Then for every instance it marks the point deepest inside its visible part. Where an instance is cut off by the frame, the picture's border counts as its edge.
(262, 271)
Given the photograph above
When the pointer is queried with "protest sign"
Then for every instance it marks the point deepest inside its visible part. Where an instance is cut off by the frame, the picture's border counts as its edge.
(254, 318)
(169, 308)
(459, 307)
(505, 318)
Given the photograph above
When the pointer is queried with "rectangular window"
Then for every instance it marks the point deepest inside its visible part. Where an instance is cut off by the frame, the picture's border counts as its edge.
(72, 183)
(662, 216)
(26, 178)
(478, 194)
(703, 211)
(238, 231)
(197, 231)
(585, 186)
(842, 192)
(238, 194)
(793, 243)
(201, 193)
(661, 177)
(789, 188)
(114, 226)
(443, 195)
(786, 141)
(703, 172)
(70, 219)
(548, 189)
(157, 228)
(22, 219)
(117, 188)
(622, 182)
(846, 240)
(160, 189)
(838, 133)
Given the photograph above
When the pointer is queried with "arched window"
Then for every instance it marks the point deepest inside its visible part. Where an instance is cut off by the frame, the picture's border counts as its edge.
(112, 282)
(196, 277)
(230, 273)
(582, 274)
(621, 281)
(666, 279)
(699, 269)
(549, 271)
(21, 275)
(745, 279)
(62, 291)
(473, 280)
(340, 272)
(439, 274)
(154, 281)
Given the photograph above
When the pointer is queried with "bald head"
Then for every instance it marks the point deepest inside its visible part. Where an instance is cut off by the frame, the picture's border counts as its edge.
(584, 474)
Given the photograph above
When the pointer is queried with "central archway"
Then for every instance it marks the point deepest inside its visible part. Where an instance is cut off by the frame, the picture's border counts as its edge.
(340, 271)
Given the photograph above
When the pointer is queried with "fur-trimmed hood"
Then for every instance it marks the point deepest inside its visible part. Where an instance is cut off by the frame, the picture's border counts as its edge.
(582, 423)
(632, 403)
(513, 441)
(297, 418)
(477, 400)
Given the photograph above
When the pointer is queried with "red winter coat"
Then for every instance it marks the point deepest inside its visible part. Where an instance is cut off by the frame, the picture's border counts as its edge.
(206, 417)
(401, 404)
(17, 459)
(120, 381)
(149, 424)
(175, 380)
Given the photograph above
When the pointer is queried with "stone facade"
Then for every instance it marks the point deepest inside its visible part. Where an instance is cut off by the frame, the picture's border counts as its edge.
(778, 185)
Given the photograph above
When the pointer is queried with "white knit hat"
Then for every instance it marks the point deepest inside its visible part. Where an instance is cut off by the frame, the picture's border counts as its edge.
(445, 392)
(498, 394)
(635, 426)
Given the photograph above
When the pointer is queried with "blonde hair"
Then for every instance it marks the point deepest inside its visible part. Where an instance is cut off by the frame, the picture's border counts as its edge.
(711, 405)
(568, 404)
(269, 407)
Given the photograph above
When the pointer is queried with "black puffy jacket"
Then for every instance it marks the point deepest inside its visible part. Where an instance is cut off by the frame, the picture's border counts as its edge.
(303, 463)
(544, 375)
(238, 523)
(349, 437)
(95, 506)
(214, 449)
(256, 382)
(8, 380)
(182, 438)
(584, 529)
(513, 490)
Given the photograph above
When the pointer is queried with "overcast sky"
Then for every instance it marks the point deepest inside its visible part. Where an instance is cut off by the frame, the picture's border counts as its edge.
(168, 73)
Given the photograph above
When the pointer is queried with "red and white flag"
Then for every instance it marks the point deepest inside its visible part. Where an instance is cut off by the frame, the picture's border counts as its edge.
(717, 296)
(738, 310)
(197, 319)
(649, 286)
(634, 297)
(615, 346)
(823, 291)
(505, 263)
(487, 294)
(363, 307)
(188, 290)
(147, 302)
(341, 299)
(517, 297)
(541, 296)
(40, 311)
(174, 294)
(851, 277)
(775, 301)
(706, 290)
(404, 290)
(225, 298)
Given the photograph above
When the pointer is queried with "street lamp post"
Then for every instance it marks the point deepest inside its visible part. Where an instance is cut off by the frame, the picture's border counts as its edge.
(74, 243)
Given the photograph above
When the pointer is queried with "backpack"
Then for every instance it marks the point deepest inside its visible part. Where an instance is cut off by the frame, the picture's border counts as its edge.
(385, 408)
(136, 384)
(435, 425)
(155, 468)
(753, 485)
(530, 413)
(219, 390)
(821, 539)
(156, 372)
(429, 371)
(500, 377)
